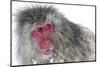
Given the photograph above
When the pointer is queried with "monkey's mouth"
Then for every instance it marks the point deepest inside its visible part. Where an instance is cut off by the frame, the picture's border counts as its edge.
(46, 52)
(46, 47)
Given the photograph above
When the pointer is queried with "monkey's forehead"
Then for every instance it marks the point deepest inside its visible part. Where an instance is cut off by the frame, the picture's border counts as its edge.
(35, 14)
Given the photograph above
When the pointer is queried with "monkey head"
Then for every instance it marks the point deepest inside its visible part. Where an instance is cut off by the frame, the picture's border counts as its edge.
(43, 35)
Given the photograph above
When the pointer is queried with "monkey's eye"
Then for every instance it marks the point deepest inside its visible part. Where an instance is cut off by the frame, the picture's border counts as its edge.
(40, 29)
(47, 27)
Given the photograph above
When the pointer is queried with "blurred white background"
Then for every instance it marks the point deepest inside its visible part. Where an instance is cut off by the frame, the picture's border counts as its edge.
(79, 14)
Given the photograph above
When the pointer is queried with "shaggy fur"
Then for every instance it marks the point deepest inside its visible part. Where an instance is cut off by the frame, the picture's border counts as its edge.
(71, 41)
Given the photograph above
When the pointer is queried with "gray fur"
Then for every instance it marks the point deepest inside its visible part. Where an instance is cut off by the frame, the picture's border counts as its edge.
(71, 41)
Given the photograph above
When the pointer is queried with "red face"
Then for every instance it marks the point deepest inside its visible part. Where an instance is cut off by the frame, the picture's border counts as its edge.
(43, 36)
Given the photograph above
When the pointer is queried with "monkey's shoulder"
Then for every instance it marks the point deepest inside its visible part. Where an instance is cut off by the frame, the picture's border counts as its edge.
(87, 33)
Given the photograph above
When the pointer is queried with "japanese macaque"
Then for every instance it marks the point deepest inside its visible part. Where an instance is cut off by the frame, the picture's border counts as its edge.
(46, 36)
